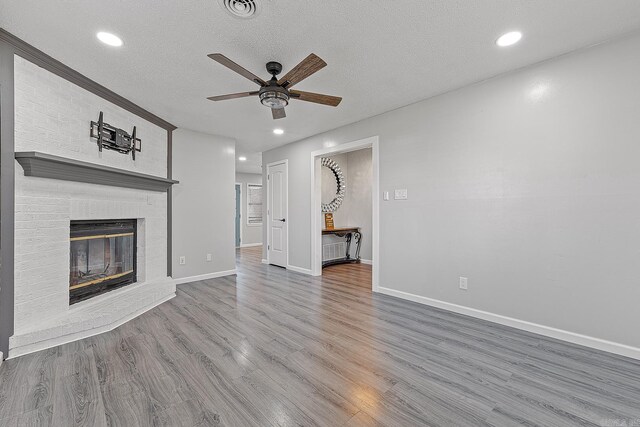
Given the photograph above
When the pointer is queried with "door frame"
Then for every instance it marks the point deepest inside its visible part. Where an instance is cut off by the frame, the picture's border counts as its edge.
(286, 223)
(240, 184)
(316, 201)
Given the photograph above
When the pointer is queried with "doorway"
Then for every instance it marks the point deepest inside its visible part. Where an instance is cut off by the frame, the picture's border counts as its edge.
(277, 213)
(238, 215)
(317, 216)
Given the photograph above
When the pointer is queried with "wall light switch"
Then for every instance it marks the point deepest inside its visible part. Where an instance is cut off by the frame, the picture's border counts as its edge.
(385, 195)
(209, 257)
(463, 283)
(183, 260)
(400, 194)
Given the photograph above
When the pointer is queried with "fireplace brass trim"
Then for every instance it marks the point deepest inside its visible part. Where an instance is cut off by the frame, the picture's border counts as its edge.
(100, 280)
(100, 236)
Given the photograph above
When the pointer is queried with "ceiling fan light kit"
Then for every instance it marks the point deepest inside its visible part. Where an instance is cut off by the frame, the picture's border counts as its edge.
(275, 93)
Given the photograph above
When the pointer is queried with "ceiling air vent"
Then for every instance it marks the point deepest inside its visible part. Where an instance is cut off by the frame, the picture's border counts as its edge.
(241, 8)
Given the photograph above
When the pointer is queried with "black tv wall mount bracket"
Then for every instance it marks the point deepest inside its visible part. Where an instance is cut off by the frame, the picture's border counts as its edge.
(112, 138)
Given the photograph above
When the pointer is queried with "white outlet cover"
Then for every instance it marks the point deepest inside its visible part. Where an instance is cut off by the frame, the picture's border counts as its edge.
(400, 194)
(463, 283)
(208, 257)
(183, 260)
(385, 195)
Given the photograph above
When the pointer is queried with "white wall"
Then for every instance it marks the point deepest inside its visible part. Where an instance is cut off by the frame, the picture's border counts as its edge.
(356, 207)
(203, 204)
(528, 184)
(251, 234)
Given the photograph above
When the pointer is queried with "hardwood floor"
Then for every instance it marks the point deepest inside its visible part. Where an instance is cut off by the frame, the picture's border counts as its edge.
(272, 347)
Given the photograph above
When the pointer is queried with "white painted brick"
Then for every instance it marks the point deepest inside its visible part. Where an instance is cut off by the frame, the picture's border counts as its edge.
(52, 116)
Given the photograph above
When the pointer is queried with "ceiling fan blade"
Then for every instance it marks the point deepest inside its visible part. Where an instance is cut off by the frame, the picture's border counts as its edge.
(318, 98)
(278, 113)
(307, 67)
(231, 96)
(220, 58)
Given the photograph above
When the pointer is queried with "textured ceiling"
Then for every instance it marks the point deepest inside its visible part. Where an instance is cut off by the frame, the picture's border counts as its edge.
(381, 54)
(253, 164)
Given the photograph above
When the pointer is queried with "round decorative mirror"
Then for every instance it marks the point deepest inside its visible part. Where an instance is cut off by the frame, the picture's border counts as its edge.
(341, 185)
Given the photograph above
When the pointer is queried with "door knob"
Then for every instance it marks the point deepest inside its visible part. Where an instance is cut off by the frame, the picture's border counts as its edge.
(281, 220)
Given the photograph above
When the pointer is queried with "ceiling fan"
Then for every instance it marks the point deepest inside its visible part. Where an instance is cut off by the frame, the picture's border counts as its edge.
(275, 93)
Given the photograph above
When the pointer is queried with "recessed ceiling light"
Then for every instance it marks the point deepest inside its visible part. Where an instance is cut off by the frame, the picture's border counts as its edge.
(278, 131)
(242, 158)
(110, 39)
(509, 39)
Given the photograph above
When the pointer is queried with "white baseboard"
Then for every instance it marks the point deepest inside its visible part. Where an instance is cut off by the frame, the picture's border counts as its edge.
(56, 341)
(366, 261)
(190, 279)
(300, 270)
(264, 261)
(572, 337)
(250, 245)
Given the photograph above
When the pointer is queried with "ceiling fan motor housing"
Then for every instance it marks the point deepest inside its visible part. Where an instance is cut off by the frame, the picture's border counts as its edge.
(274, 68)
(273, 95)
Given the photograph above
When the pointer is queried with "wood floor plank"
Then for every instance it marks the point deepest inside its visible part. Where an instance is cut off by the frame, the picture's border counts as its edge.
(77, 400)
(218, 392)
(273, 402)
(38, 417)
(270, 347)
(27, 383)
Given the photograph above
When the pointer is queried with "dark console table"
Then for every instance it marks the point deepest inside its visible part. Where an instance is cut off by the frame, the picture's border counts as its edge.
(349, 233)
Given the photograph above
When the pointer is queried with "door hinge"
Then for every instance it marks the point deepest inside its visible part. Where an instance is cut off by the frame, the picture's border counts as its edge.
(268, 247)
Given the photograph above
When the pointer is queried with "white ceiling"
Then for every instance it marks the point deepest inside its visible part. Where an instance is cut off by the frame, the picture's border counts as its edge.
(381, 54)
(253, 164)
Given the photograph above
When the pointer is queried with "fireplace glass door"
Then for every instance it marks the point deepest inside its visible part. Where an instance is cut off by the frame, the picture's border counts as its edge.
(102, 257)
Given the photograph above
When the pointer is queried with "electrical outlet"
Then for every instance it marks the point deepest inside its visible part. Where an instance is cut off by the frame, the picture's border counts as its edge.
(400, 194)
(209, 258)
(183, 260)
(385, 195)
(463, 283)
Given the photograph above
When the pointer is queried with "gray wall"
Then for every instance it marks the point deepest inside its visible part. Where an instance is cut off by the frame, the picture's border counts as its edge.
(356, 207)
(203, 203)
(7, 198)
(528, 184)
(251, 234)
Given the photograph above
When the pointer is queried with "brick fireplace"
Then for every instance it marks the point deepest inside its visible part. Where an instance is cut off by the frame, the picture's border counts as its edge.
(68, 286)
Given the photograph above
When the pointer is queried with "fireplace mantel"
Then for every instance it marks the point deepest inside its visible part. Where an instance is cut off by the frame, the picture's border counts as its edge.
(44, 165)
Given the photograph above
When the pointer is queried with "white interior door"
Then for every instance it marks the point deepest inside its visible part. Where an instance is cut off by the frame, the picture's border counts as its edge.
(277, 214)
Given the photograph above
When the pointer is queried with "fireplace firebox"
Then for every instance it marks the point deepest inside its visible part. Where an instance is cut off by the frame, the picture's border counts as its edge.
(102, 257)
